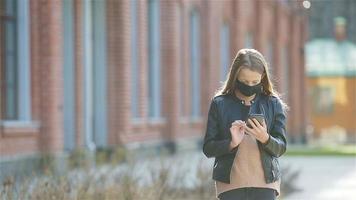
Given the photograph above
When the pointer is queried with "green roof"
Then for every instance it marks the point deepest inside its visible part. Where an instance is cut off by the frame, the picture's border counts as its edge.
(327, 57)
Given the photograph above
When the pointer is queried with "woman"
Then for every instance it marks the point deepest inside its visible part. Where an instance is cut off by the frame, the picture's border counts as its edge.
(246, 157)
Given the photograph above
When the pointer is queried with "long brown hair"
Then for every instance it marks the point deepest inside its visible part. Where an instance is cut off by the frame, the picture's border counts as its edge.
(253, 60)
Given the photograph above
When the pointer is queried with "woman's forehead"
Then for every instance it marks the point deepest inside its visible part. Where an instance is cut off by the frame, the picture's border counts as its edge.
(249, 74)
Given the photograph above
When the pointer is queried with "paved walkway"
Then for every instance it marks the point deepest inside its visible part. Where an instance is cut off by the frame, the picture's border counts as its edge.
(323, 178)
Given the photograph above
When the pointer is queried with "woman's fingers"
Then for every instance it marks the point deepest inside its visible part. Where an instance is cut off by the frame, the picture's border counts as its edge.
(241, 127)
(252, 123)
(261, 127)
(233, 128)
(249, 131)
(238, 122)
(264, 124)
(256, 128)
(237, 129)
(258, 125)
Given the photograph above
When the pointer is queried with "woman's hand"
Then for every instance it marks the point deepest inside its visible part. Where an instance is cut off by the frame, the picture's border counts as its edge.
(259, 131)
(237, 130)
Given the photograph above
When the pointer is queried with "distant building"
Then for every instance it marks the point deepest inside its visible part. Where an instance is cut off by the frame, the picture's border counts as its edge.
(322, 13)
(331, 71)
(94, 74)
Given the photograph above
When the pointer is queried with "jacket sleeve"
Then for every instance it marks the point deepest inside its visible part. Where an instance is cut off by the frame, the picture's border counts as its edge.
(277, 142)
(213, 147)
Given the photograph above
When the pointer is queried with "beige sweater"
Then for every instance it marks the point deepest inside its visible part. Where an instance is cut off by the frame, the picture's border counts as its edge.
(247, 169)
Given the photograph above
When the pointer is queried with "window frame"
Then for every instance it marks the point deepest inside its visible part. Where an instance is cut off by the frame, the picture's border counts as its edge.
(5, 18)
(21, 46)
(195, 63)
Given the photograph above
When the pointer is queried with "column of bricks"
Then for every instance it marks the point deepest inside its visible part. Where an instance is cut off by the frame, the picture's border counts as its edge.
(142, 30)
(79, 87)
(119, 65)
(169, 66)
(51, 59)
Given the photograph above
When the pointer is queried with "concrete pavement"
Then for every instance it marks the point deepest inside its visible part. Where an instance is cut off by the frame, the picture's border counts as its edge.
(323, 177)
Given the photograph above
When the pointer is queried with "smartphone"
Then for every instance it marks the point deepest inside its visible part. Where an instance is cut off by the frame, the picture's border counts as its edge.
(260, 118)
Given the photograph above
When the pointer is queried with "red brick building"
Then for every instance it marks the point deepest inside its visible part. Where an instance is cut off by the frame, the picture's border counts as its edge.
(81, 73)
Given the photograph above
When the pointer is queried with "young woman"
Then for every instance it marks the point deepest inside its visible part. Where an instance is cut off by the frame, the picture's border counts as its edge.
(246, 151)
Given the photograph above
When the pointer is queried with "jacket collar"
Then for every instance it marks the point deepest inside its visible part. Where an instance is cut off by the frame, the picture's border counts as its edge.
(253, 101)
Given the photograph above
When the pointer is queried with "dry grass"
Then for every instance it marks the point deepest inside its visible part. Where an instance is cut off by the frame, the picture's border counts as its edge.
(116, 181)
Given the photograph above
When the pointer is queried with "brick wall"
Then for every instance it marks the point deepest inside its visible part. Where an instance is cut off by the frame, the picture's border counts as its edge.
(265, 20)
(46, 131)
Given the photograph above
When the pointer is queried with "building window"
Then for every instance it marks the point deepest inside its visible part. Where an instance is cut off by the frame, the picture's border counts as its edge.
(69, 114)
(95, 68)
(134, 63)
(270, 55)
(224, 51)
(154, 79)
(323, 99)
(182, 99)
(248, 43)
(195, 63)
(285, 67)
(15, 72)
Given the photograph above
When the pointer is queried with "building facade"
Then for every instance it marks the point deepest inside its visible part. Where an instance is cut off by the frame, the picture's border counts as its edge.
(331, 72)
(95, 73)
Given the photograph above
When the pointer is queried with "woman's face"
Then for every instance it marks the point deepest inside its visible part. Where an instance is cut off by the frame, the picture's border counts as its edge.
(249, 77)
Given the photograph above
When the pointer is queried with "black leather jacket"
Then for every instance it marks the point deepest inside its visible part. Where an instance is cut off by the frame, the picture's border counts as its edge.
(225, 109)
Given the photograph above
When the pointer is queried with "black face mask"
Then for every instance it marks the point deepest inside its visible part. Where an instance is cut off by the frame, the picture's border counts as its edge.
(248, 90)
